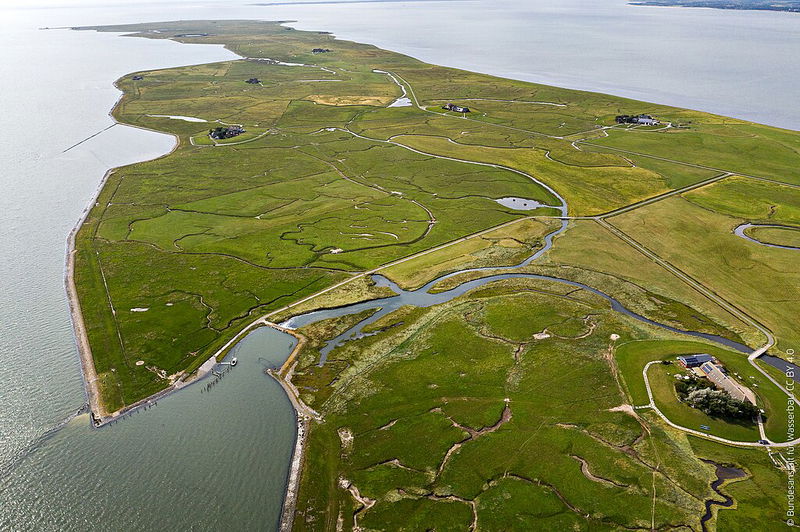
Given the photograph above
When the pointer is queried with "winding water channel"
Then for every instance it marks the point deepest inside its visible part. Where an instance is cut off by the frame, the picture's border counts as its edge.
(723, 473)
(740, 231)
(422, 297)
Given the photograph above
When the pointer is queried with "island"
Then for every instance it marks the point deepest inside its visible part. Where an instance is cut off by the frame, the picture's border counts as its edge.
(489, 307)
(758, 5)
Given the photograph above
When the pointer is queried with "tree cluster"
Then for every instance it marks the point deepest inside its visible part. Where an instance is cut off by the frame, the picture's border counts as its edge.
(686, 386)
(701, 394)
(225, 132)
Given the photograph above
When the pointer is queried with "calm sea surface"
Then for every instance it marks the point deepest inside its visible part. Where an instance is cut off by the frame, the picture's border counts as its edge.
(219, 459)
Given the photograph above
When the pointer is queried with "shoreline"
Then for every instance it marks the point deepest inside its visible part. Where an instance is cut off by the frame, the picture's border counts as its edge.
(98, 414)
(304, 416)
(292, 491)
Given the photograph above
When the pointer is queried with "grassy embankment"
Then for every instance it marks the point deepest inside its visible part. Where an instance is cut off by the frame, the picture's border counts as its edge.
(633, 356)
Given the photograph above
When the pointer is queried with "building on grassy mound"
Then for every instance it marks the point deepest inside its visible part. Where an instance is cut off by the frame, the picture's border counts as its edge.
(253, 81)
(705, 366)
(644, 120)
(225, 132)
(455, 108)
(694, 361)
(137, 77)
(716, 374)
(320, 51)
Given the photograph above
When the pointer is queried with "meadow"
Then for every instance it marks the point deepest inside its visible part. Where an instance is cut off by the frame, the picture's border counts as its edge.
(510, 406)
(326, 182)
(505, 246)
(780, 236)
(695, 233)
(475, 414)
(717, 142)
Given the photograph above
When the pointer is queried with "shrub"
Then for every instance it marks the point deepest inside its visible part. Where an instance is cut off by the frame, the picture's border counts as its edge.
(684, 387)
(719, 403)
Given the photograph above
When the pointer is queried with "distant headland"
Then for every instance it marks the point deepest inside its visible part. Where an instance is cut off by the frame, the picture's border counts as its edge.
(761, 5)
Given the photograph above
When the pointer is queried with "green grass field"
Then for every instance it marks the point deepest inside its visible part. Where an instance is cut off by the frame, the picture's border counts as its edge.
(498, 407)
(695, 233)
(327, 182)
(718, 142)
(506, 246)
(781, 236)
(458, 412)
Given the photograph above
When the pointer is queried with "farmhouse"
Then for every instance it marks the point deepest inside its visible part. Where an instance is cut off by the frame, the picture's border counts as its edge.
(455, 108)
(225, 132)
(644, 120)
(253, 81)
(694, 361)
(716, 375)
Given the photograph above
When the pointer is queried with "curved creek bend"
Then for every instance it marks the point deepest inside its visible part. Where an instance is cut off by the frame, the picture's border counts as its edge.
(723, 473)
(422, 297)
(740, 231)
